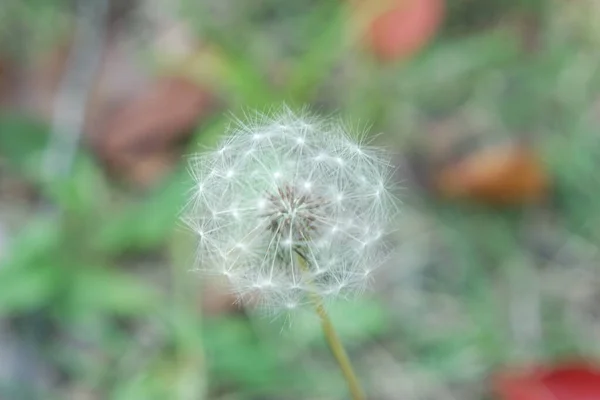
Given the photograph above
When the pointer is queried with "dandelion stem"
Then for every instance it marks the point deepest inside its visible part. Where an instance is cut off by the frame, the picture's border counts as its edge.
(333, 340)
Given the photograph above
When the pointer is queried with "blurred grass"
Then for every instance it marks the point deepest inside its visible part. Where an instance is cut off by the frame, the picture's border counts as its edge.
(98, 299)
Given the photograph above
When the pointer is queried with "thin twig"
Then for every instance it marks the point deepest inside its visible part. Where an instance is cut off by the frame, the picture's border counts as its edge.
(75, 86)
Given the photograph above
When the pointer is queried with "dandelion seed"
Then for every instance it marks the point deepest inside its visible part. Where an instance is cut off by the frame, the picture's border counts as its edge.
(289, 186)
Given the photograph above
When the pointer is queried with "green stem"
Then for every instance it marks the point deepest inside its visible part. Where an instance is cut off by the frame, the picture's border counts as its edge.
(334, 342)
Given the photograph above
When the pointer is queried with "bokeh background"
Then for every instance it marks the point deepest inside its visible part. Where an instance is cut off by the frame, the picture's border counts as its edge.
(490, 108)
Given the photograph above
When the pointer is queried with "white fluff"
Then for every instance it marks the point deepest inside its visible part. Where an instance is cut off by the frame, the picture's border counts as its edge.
(285, 187)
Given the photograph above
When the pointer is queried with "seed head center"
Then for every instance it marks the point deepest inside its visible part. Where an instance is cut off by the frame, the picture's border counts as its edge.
(293, 213)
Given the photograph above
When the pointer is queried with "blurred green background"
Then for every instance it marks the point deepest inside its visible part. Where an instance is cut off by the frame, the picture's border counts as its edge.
(490, 107)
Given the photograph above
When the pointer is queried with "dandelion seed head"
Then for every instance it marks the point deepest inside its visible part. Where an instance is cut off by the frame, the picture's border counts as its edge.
(289, 205)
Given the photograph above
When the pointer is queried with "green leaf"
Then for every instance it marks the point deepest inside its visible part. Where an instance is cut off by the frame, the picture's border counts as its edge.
(22, 141)
(26, 288)
(143, 226)
(29, 273)
(367, 320)
(38, 241)
(234, 353)
(83, 191)
(177, 378)
(325, 48)
(110, 291)
(444, 76)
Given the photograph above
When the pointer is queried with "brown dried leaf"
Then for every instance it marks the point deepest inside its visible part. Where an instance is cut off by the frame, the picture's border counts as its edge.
(496, 175)
(138, 140)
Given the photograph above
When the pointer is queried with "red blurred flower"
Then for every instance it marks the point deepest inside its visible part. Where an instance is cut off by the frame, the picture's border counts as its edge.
(398, 29)
(567, 381)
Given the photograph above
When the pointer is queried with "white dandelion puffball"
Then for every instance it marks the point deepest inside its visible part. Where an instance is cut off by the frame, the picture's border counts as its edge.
(290, 206)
